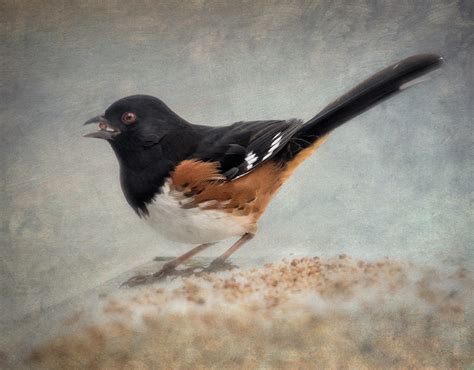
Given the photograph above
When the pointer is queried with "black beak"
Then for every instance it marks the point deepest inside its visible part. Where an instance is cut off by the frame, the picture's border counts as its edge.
(106, 131)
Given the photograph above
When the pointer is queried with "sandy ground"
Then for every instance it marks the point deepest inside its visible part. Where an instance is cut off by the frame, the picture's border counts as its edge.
(292, 314)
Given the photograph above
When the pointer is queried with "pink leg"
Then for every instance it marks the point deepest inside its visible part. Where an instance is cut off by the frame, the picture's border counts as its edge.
(221, 259)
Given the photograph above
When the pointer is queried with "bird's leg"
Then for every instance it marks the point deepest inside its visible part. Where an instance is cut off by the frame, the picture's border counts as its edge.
(179, 260)
(167, 267)
(219, 261)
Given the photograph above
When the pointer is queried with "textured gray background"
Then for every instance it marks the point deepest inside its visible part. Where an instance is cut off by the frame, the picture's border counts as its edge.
(395, 182)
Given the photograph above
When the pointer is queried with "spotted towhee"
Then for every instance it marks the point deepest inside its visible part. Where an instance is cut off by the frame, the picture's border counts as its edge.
(199, 184)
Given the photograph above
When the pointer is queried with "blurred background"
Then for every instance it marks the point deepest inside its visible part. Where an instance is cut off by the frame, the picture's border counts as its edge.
(396, 181)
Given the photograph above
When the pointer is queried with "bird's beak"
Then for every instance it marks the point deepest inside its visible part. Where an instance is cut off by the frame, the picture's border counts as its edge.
(106, 131)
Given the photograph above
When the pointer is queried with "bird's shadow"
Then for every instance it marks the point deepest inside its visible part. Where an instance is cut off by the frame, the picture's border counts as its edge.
(197, 269)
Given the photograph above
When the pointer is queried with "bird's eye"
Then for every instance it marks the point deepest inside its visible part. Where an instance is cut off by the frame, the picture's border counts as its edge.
(128, 118)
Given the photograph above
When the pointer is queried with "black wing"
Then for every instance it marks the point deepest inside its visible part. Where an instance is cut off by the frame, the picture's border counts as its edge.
(242, 146)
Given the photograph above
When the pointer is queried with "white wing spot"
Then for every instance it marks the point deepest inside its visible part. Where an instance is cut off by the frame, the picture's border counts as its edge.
(275, 143)
(251, 158)
(276, 138)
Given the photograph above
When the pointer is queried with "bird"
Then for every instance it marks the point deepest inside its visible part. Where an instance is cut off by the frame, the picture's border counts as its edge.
(200, 185)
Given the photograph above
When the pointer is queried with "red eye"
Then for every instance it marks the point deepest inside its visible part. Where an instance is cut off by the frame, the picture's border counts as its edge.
(129, 118)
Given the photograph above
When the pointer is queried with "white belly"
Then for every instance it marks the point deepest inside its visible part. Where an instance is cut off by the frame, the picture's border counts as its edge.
(192, 225)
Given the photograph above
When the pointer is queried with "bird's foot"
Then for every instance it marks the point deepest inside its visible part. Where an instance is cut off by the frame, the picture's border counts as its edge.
(220, 265)
(168, 269)
(163, 273)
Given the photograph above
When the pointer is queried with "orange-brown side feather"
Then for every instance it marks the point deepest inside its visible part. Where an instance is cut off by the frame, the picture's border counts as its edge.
(248, 195)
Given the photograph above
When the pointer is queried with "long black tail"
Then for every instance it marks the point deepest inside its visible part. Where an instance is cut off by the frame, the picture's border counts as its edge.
(388, 82)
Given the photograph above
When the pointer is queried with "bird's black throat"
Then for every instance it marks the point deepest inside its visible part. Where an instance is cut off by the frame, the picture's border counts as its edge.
(142, 174)
(144, 168)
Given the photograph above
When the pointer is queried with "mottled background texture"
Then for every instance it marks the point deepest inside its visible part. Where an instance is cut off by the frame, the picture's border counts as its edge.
(396, 181)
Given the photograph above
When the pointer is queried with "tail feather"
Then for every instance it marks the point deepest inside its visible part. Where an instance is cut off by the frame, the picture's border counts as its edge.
(386, 83)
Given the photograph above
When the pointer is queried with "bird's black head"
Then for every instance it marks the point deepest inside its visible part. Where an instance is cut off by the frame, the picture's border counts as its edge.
(149, 140)
(136, 122)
